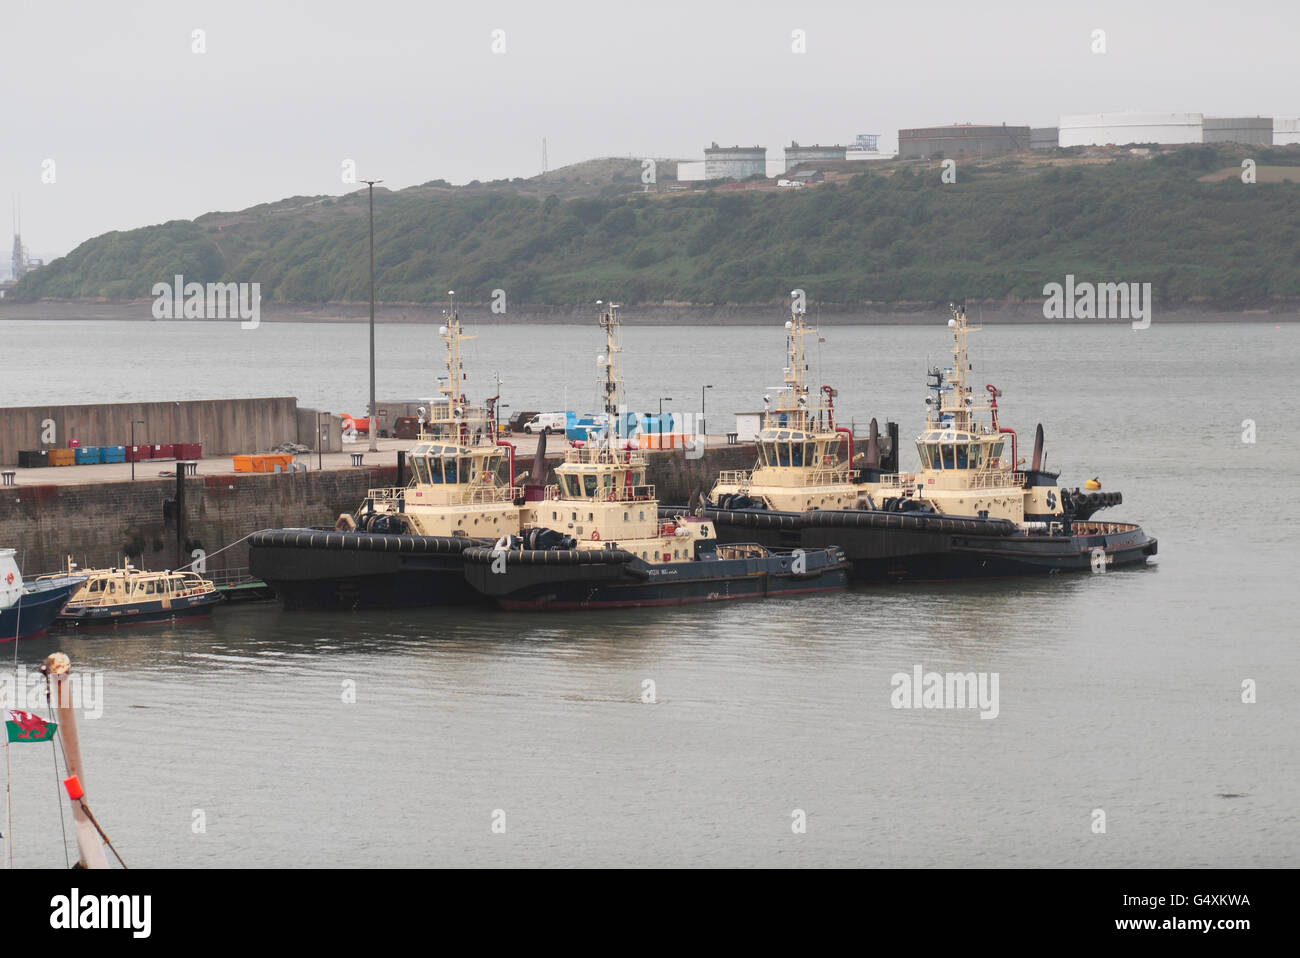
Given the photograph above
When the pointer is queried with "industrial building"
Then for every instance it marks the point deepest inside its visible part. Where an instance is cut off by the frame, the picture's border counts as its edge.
(965, 139)
(1286, 130)
(1102, 129)
(1238, 129)
(796, 154)
(1044, 138)
(735, 162)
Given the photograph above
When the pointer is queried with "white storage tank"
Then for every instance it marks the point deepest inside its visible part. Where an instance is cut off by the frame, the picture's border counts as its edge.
(690, 172)
(1101, 129)
(1286, 130)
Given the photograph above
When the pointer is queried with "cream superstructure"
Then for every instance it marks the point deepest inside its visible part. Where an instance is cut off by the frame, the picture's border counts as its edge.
(462, 481)
(969, 463)
(601, 497)
(799, 465)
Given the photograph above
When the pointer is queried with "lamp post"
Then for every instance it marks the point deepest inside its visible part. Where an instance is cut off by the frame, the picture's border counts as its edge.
(496, 411)
(134, 423)
(662, 400)
(320, 441)
(374, 444)
(703, 430)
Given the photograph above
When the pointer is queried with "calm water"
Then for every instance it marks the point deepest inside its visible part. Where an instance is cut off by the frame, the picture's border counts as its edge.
(1120, 692)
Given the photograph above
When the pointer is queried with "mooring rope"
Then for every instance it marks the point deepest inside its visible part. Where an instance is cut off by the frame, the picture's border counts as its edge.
(209, 555)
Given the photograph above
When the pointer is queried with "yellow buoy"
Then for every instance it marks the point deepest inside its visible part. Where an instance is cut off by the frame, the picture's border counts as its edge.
(1092, 484)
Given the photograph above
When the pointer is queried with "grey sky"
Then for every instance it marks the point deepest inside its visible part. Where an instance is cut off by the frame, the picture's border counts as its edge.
(142, 130)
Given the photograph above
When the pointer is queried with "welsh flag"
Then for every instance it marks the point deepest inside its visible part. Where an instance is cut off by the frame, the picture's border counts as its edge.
(26, 727)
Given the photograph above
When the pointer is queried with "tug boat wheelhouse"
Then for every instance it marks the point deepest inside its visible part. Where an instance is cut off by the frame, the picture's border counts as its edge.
(969, 511)
(131, 596)
(597, 539)
(403, 545)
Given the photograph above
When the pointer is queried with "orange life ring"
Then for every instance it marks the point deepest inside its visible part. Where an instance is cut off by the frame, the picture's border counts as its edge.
(595, 535)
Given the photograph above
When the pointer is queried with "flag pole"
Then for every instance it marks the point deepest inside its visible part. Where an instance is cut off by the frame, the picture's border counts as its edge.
(58, 669)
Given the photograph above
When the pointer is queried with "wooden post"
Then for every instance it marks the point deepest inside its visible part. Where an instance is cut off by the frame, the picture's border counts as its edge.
(58, 668)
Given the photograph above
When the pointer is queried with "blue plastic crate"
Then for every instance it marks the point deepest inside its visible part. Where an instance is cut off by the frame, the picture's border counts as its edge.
(86, 455)
(112, 453)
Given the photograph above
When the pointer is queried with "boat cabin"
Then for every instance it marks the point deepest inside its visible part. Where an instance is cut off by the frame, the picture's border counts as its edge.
(949, 450)
(796, 448)
(124, 586)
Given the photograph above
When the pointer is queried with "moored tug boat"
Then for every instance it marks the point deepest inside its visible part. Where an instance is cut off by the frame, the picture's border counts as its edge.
(799, 465)
(597, 539)
(129, 596)
(969, 511)
(402, 546)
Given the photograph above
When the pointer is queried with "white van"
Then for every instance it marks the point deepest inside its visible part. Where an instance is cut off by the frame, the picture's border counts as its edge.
(547, 423)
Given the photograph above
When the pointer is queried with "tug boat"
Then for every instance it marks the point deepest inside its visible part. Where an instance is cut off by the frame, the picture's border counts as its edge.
(799, 465)
(969, 511)
(130, 596)
(402, 547)
(597, 539)
(29, 609)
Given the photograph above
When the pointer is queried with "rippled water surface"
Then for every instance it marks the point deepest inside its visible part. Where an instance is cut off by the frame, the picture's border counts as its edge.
(1119, 692)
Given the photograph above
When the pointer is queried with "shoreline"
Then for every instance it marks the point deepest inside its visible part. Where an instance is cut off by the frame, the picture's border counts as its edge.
(904, 314)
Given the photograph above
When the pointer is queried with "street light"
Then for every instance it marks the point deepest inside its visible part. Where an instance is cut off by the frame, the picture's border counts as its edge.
(320, 453)
(496, 410)
(662, 400)
(374, 444)
(134, 423)
(703, 431)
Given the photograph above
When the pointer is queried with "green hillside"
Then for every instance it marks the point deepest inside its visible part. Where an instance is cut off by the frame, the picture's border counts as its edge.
(890, 235)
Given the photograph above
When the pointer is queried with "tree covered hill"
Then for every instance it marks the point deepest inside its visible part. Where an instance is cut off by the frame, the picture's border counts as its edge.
(893, 234)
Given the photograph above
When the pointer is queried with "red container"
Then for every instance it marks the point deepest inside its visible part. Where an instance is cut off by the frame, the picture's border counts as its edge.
(74, 443)
(164, 451)
(138, 453)
(189, 450)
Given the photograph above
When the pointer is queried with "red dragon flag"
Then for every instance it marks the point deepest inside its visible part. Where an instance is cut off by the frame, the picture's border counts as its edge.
(26, 727)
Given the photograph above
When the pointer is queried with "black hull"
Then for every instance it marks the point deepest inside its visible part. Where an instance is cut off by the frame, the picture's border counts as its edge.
(312, 569)
(636, 584)
(910, 548)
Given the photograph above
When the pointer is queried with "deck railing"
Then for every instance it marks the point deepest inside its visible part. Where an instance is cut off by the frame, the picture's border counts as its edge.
(456, 494)
(615, 494)
(960, 479)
